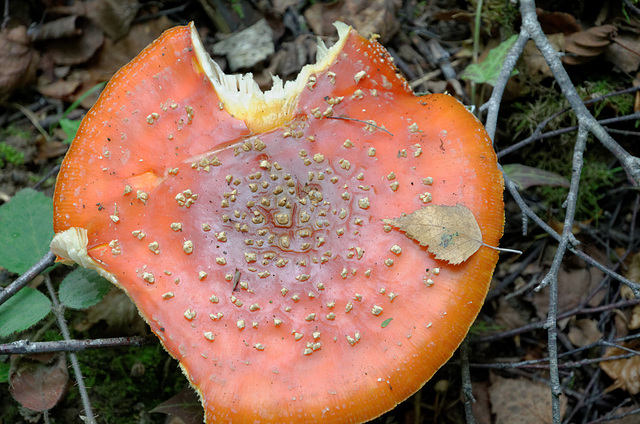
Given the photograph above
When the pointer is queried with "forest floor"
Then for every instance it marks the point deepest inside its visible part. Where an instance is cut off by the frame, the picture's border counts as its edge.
(52, 54)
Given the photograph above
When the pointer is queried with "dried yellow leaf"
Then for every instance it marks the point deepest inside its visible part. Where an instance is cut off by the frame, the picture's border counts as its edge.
(624, 371)
(451, 233)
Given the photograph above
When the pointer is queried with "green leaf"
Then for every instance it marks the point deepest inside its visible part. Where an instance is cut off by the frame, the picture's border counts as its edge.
(386, 322)
(527, 176)
(22, 310)
(26, 229)
(70, 128)
(489, 69)
(4, 372)
(83, 288)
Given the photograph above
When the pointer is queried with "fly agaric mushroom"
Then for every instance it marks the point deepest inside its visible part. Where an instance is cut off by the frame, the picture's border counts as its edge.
(252, 230)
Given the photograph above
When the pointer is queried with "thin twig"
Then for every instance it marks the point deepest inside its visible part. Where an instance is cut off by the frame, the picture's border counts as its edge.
(540, 136)
(58, 311)
(513, 190)
(537, 325)
(493, 105)
(7, 17)
(467, 388)
(28, 347)
(611, 417)
(24, 279)
(53, 171)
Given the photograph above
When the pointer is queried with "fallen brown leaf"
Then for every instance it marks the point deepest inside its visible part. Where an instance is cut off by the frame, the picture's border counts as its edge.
(368, 17)
(574, 285)
(450, 232)
(557, 22)
(522, 401)
(185, 405)
(19, 60)
(38, 381)
(625, 52)
(584, 46)
(584, 332)
(510, 315)
(60, 89)
(115, 54)
(76, 41)
(114, 17)
(625, 372)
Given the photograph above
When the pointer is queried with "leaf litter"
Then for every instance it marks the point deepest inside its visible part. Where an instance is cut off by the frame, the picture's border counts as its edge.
(114, 53)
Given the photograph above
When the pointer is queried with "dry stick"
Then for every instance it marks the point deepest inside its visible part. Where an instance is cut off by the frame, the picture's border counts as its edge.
(608, 418)
(551, 279)
(467, 388)
(53, 171)
(6, 17)
(537, 135)
(539, 324)
(29, 347)
(493, 105)
(25, 278)
(58, 311)
(527, 212)
(540, 363)
(586, 398)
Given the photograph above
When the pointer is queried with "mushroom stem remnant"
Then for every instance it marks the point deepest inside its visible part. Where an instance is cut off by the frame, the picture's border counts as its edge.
(251, 229)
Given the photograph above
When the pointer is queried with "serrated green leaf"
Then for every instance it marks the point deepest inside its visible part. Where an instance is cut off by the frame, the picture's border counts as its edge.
(70, 128)
(489, 69)
(26, 229)
(83, 288)
(23, 310)
(527, 176)
(4, 372)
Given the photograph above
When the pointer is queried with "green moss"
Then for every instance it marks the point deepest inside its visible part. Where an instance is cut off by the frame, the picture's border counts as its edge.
(621, 104)
(526, 115)
(596, 178)
(500, 14)
(556, 154)
(121, 381)
(8, 154)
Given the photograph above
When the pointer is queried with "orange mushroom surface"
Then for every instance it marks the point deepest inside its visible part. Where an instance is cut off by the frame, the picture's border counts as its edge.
(248, 227)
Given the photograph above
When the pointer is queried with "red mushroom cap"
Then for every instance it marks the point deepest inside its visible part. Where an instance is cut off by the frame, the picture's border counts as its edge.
(248, 227)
